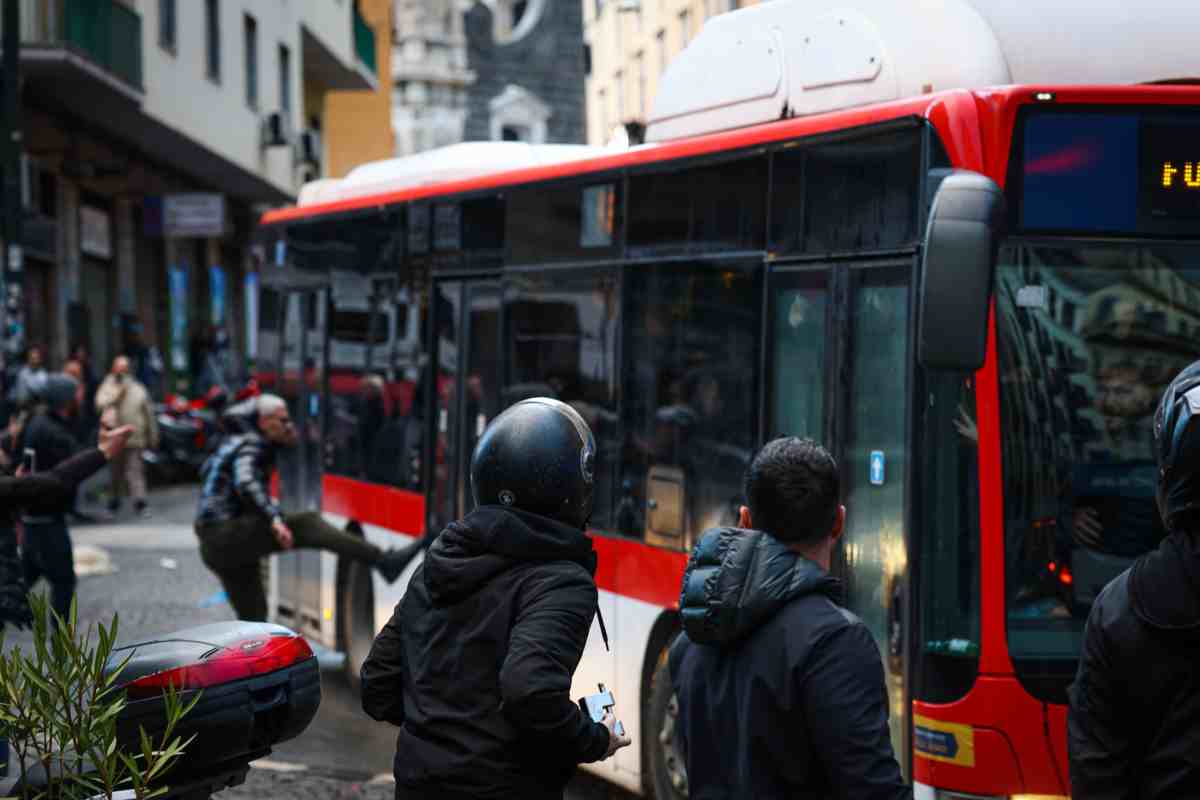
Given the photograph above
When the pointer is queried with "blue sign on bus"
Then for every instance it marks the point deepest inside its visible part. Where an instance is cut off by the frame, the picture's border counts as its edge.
(877, 468)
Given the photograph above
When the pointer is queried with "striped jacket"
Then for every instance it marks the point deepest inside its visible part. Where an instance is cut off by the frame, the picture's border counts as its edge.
(235, 480)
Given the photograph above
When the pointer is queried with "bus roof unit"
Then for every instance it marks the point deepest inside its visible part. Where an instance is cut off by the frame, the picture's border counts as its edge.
(797, 57)
(454, 162)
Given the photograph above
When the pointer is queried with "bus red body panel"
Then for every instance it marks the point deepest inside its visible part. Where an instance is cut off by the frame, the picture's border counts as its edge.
(633, 569)
(396, 510)
(1005, 730)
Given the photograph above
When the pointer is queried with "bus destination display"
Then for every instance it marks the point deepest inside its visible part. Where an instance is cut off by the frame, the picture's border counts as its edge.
(1118, 173)
(1171, 169)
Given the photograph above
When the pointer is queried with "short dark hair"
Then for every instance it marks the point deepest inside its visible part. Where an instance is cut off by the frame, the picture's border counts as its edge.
(792, 489)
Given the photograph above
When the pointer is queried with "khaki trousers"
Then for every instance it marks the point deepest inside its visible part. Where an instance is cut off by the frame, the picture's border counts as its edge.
(128, 475)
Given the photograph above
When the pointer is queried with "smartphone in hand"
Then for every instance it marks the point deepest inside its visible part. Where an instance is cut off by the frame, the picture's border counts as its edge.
(597, 705)
(29, 461)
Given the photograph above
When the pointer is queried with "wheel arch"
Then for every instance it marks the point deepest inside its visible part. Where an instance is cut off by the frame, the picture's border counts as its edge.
(355, 528)
(663, 632)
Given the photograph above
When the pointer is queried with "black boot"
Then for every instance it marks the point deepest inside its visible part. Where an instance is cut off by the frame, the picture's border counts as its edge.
(393, 562)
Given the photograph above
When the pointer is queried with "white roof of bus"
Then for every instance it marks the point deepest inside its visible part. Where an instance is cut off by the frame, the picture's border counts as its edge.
(451, 163)
(798, 57)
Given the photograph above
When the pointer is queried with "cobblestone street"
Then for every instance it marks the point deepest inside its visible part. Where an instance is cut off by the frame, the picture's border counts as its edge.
(149, 573)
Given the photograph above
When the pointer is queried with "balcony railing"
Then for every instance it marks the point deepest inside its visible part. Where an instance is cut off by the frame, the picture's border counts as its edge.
(364, 41)
(106, 32)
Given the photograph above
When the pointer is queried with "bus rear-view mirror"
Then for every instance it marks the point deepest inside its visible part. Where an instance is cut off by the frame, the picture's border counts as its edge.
(958, 265)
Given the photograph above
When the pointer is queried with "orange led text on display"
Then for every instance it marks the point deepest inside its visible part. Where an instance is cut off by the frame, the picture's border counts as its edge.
(1190, 174)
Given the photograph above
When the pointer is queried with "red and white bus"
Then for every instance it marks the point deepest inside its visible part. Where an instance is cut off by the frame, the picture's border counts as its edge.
(757, 270)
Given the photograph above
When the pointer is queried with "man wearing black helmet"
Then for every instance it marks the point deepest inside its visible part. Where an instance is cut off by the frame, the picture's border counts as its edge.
(475, 664)
(1134, 723)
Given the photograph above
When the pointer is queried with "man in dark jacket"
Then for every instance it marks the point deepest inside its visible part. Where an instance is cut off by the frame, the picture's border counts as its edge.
(41, 493)
(47, 551)
(238, 523)
(781, 690)
(475, 664)
(1133, 728)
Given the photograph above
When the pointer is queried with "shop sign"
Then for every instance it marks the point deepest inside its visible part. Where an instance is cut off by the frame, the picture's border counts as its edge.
(95, 232)
(194, 214)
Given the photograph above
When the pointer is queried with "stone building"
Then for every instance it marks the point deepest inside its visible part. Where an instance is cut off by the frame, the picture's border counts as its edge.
(468, 70)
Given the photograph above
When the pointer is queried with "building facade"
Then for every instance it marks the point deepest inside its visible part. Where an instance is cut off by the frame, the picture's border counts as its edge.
(631, 42)
(357, 125)
(475, 70)
(155, 132)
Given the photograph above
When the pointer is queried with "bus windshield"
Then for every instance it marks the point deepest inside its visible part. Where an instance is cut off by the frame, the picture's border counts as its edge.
(1088, 336)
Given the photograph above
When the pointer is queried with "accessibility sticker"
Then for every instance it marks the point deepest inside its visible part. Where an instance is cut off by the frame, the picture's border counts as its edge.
(944, 741)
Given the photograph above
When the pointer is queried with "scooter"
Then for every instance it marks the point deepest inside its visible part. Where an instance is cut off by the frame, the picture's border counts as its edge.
(259, 685)
(188, 433)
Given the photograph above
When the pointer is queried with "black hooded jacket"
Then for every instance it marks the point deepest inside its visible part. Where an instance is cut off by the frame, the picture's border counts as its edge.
(48, 432)
(1134, 723)
(475, 664)
(781, 691)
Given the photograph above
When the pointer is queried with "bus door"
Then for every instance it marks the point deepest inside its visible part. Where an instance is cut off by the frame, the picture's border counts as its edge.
(467, 320)
(301, 383)
(839, 373)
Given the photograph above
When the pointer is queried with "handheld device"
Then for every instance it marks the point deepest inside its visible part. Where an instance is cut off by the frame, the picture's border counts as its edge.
(29, 461)
(595, 706)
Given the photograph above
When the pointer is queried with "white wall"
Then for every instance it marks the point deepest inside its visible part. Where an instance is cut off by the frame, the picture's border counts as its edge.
(180, 93)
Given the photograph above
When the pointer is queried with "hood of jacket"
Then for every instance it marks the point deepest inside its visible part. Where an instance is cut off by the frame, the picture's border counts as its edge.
(58, 392)
(492, 539)
(1164, 584)
(737, 579)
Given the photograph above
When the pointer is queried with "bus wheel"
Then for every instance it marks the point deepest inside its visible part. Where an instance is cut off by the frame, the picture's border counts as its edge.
(355, 617)
(668, 772)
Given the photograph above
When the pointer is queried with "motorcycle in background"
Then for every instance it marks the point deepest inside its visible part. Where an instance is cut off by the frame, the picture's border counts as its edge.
(190, 431)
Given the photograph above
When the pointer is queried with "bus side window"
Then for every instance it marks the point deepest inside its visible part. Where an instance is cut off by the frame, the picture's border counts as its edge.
(690, 399)
(561, 343)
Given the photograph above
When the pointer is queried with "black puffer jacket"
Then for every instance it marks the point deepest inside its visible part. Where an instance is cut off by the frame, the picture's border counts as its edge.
(475, 664)
(1134, 723)
(781, 691)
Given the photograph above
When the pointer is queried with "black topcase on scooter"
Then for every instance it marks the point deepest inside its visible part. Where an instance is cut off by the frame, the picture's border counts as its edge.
(259, 685)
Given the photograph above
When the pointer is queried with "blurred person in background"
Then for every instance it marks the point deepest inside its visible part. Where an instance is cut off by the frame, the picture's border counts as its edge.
(37, 493)
(41, 493)
(123, 400)
(48, 552)
(85, 423)
(31, 378)
(86, 376)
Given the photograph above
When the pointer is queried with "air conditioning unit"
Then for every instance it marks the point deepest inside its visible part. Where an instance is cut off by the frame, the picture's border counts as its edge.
(629, 5)
(308, 147)
(276, 130)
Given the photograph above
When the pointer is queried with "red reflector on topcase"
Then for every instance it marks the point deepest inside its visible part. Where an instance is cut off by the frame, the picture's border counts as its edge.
(258, 656)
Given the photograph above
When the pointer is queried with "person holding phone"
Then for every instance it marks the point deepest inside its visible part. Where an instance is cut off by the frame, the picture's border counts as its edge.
(48, 552)
(475, 665)
(29, 491)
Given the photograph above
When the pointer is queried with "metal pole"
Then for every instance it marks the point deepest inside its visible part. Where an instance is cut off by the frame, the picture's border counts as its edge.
(12, 257)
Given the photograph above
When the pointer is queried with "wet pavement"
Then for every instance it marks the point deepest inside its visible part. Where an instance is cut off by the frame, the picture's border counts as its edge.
(149, 573)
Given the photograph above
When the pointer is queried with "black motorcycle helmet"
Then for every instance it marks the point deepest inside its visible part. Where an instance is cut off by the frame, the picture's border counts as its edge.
(538, 456)
(1177, 449)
